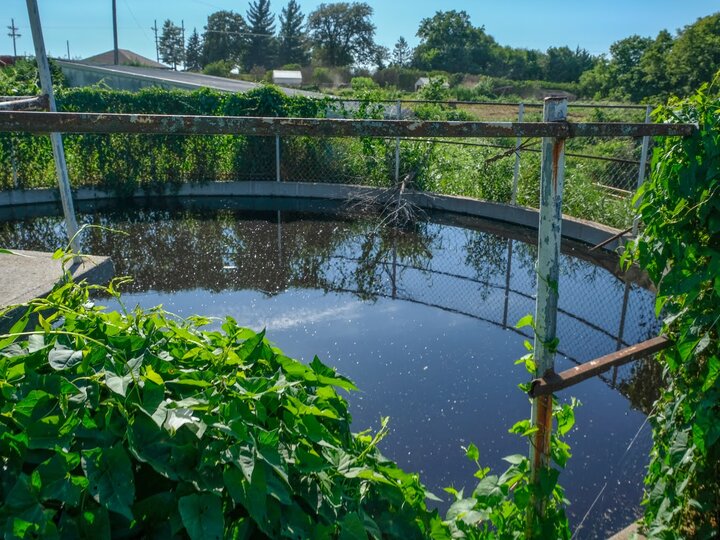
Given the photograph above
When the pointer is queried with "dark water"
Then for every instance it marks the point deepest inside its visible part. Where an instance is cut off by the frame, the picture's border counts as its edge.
(421, 319)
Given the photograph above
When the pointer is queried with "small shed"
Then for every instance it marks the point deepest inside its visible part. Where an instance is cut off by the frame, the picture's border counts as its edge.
(284, 77)
(424, 81)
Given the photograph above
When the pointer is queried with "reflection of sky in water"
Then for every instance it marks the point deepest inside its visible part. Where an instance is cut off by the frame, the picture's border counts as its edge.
(436, 358)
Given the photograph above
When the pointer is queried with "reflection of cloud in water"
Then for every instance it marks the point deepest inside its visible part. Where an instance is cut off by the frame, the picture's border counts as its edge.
(302, 317)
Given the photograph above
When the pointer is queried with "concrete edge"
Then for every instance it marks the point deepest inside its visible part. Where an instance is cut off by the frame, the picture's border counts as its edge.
(95, 270)
(576, 229)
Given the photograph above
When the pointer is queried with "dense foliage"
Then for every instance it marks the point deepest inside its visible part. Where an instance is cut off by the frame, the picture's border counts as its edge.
(680, 249)
(143, 425)
(139, 424)
(342, 34)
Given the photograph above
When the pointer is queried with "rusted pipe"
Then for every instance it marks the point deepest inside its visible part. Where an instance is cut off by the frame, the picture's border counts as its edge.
(552, 382)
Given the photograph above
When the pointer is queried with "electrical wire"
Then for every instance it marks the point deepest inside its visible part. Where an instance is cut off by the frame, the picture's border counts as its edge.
(132, 14)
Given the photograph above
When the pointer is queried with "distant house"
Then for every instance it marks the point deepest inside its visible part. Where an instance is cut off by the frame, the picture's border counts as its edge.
(125, 58)
(283, 77)
(7, 60)
(424, 81)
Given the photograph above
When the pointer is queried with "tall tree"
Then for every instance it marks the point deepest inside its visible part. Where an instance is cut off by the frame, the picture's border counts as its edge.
(654, 66)
(695, 55)
(401, 53)
(171, 46)
(261, 42)
(343, 33)
(225, 38)
(449, 41)
(625, 72)
(193, 52)
(292, 41)
(565, 65)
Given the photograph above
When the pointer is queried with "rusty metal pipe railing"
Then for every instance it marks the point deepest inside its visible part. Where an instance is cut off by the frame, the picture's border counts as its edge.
(552, 382)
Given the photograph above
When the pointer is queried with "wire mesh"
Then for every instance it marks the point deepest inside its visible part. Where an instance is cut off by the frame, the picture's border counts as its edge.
(600, 179)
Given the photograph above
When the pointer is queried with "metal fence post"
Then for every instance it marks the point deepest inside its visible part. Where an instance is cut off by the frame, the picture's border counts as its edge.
(397, 146)
(277, 158)
(643, 166)
(55, 138)
(552, 174)
(518, 142)
(13, 164)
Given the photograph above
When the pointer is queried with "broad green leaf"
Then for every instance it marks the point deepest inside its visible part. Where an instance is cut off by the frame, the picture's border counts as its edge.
(712, 373)
(118, 383)
(352, 528)
(111, 479)
(472, 452)
(202, 516)
(60, 357)
(527, 320)
(515, 459)
(18, 326)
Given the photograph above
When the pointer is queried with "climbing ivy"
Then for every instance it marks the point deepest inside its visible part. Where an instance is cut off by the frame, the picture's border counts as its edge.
(680, 249)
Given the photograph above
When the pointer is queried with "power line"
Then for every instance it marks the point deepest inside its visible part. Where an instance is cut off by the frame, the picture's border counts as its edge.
(154, 28)
(132, 14)
(13, 34)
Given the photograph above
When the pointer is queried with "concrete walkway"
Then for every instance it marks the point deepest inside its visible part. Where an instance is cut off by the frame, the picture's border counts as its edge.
(30, 274)
(629, 533)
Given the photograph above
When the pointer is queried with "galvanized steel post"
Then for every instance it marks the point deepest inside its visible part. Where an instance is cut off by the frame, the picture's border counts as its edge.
(518, 142)
(277, 158)
(55, 138)
(397, 146)
(643, 166)
(552, 174)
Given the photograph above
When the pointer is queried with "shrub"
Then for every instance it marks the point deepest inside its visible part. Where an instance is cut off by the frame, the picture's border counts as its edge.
(221, 68)
(142, 425)
(362, 83)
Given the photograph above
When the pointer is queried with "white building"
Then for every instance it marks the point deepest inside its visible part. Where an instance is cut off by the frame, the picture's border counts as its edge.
(283, 77)
(424, 81)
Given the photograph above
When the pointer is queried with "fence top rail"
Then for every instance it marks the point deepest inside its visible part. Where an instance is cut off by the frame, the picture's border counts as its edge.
(160, 124)
(534, 104)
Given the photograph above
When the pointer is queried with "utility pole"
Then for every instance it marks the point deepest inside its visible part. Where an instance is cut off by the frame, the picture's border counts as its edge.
(182, 26)
(157, 49)
(67, 42)
(116, 53)
(13, 34)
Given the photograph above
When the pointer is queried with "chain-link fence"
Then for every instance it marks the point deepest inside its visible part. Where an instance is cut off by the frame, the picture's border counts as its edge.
(601, 174)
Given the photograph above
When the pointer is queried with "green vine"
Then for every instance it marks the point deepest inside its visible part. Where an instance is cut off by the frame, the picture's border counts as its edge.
(680, 249)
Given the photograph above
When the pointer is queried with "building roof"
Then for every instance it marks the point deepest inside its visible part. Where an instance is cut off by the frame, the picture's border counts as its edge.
(286, 74)
(125, 57)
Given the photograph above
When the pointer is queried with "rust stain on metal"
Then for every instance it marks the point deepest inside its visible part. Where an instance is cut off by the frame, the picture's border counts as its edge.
(557, 149)
(541, 438)
(552, 382)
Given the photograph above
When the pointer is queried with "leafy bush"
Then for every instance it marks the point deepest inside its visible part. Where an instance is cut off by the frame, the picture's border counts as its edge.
(220, 68)
(362, 83)
(143, 425)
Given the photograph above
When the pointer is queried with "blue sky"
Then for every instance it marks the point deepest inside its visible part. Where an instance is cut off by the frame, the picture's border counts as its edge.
(591, 24)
